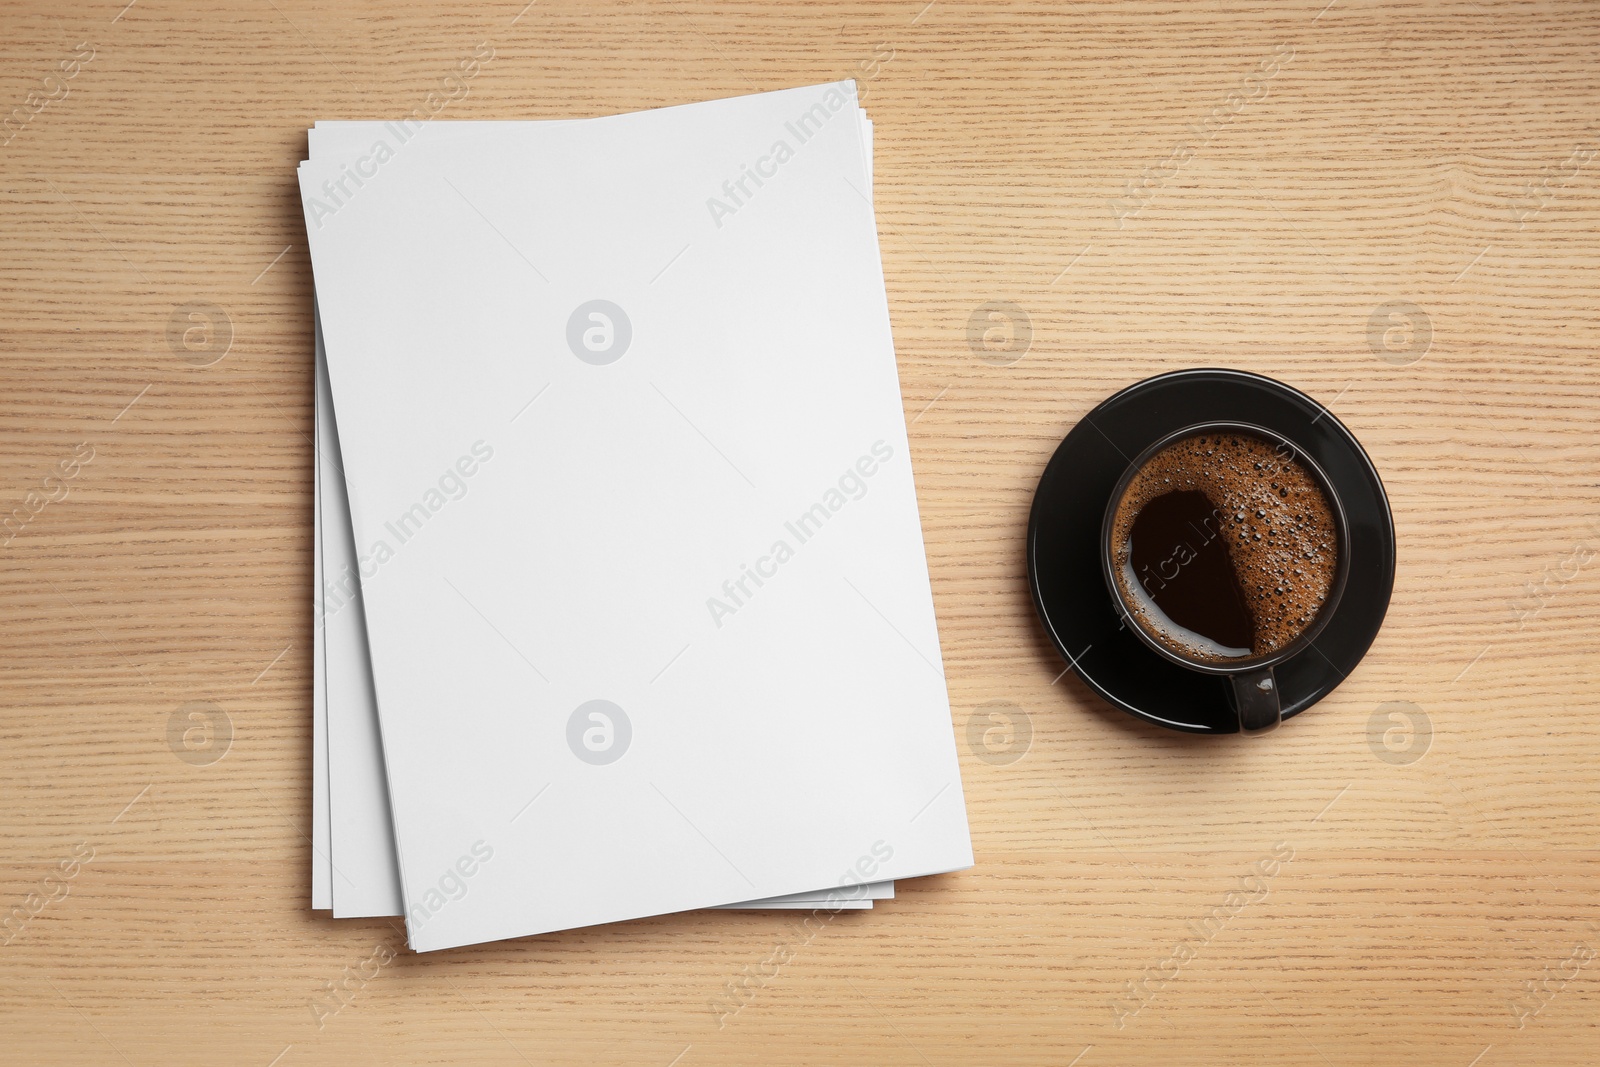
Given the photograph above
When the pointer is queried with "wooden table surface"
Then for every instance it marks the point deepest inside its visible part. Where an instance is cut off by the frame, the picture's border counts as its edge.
(1393, 206)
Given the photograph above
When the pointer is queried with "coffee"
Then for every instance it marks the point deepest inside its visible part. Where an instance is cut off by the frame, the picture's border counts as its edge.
(1224, 547)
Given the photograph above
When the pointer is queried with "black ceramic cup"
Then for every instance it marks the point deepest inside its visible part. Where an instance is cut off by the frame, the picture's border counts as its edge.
(1254, 686)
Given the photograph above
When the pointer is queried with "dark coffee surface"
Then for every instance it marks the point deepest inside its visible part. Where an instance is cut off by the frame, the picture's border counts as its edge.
(1177, 543)
(1224, 547)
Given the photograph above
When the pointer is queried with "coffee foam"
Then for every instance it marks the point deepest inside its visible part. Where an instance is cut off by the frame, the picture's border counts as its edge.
(1276, 522)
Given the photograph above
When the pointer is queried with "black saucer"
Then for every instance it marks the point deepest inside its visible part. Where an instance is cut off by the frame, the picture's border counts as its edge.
(1064, 542)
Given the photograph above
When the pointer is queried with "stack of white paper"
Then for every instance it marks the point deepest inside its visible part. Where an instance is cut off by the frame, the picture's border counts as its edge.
(623, 602)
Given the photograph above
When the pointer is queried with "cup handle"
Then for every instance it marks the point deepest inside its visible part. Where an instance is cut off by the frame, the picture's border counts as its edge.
(1256, 696)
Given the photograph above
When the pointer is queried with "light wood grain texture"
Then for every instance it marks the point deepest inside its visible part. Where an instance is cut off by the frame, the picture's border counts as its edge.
(1438, 153)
